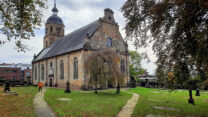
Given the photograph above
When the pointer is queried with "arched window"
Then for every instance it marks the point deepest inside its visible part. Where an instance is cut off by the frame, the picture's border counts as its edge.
(51, 64)
(42, 72)
(51, 29)
(61, 69)
(122, 65)
(109, 42)
(36, 72)
(46, 31)
(58, 29)
(46, 44)
(75, 68)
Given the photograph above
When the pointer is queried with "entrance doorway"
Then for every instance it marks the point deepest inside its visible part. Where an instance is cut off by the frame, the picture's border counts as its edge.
(51, 82)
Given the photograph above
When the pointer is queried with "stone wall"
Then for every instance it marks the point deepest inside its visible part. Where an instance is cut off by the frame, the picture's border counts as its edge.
(68, 70)
(97, 42)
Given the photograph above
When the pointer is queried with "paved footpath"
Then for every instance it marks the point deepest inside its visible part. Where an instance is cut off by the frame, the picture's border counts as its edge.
(128, 109)
(41, 107)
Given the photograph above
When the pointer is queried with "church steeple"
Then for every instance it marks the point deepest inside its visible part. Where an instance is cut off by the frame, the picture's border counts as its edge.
(54, 28)
(55, 10)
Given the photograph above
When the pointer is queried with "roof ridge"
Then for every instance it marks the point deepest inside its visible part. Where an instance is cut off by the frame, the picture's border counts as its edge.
(81, 28)
(70, 42)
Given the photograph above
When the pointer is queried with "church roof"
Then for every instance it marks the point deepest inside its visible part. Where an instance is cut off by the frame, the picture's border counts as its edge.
(71, 42)
(55, 19)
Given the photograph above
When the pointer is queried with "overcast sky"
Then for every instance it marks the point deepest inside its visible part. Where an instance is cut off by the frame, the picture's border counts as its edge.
(75, 14)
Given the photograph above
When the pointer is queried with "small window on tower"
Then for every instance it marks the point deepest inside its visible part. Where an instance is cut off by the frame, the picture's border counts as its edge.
(46, 44)
(51, 29)
(46, 30)
(58, 30)
(109, 17)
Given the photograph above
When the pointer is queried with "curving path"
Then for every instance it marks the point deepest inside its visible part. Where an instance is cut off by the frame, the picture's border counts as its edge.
(41, 107)
(128, 109)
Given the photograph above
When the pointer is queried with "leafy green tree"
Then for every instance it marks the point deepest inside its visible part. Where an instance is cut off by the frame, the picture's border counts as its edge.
(161, 75)
(182, 73)
(177, 28)
(135, 67)
(102, 68)
(19, 19)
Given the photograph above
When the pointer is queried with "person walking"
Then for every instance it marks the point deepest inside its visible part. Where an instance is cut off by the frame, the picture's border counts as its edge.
(40, 85)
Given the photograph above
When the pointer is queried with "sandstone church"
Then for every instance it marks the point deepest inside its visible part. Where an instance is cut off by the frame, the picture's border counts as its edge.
(63, 57)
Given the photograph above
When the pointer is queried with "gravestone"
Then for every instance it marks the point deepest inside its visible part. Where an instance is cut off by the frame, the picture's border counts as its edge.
(191, 100)
(118, 89)
(197, 92)
(7, 87)
(67, 88)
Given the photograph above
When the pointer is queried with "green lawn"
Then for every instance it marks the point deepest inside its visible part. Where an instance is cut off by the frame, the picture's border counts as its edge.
(163, 98)
(87, 104)
(18, 106)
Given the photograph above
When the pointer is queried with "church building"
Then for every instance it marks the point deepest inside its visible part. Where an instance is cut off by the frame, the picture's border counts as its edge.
(63, 57)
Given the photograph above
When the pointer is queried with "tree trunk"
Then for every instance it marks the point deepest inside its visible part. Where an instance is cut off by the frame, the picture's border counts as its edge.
(96, 87)
(201, 72)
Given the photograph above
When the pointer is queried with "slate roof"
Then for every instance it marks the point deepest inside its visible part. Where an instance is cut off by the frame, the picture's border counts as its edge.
(55, 19)
(71, 42)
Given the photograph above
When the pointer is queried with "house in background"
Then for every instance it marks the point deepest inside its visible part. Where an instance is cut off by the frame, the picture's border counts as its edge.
(24, 71)
(146, 80)
(10, 73)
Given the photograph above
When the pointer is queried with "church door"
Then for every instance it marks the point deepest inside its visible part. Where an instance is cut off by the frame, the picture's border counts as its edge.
(51, 81)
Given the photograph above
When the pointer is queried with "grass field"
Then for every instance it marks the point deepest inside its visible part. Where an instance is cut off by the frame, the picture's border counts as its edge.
(18, 106)
(162, 98)
(87, 104)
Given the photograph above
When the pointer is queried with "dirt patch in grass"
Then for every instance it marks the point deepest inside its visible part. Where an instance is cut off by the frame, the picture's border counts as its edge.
(166, 108)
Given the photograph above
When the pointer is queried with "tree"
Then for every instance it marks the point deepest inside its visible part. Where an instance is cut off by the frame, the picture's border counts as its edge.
(135, 67)
(161, 75)
(102, 68)
(181, 73)
(177, 28)
(19, 19)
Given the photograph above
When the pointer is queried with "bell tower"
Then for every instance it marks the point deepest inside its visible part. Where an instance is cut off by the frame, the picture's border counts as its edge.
(54, 28)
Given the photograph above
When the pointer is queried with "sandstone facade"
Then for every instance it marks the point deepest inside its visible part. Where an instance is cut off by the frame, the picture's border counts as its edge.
(47, 68)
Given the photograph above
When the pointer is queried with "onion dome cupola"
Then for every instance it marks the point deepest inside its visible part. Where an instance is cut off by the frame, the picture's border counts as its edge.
(54, 28)
(55, 18)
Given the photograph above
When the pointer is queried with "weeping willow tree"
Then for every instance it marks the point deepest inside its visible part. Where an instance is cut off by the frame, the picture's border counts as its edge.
(102, 67)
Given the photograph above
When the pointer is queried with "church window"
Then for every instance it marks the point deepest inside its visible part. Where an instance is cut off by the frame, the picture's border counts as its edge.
(36, 73)
(58, 30)
(46, 44)
(109, 17)
(122, 66)
(42, 72)
(61, 69)
(51, 64)
(46, 31)
(75, 68)
(109, 42)
(51, 29)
